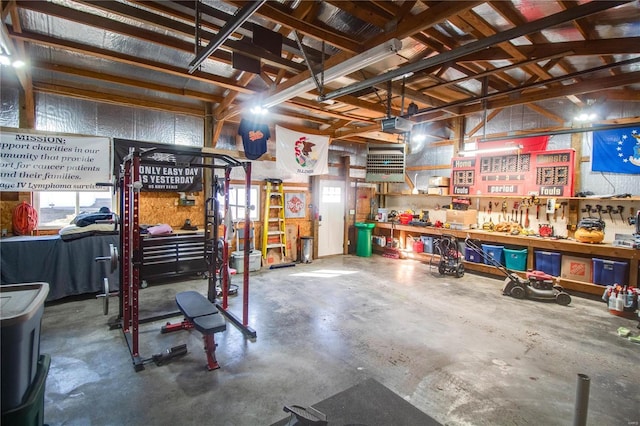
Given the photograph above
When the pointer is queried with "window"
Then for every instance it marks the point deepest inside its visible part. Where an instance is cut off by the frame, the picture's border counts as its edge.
(57, 209)
(331, 194)
(237, 202)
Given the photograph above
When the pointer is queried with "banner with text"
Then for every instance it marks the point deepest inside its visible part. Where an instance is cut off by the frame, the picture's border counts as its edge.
(302, 153)
(161, 168)
(50, 162)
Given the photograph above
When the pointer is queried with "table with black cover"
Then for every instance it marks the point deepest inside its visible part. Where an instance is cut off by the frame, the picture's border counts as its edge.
(68, 266)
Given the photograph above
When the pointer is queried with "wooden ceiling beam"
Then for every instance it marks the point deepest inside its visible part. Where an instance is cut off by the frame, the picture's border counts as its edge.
(130, 82)
(156, 37)
(546, 113)
(415, 23)
(96, 95)
(587, 86)
(284, 16)
(93, 51)
(615, 46)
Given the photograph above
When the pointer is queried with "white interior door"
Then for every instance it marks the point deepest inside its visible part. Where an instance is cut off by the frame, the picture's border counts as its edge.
(331, 225)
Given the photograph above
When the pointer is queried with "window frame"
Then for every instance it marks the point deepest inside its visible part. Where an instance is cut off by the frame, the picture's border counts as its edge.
(36, 200)
(236, 187)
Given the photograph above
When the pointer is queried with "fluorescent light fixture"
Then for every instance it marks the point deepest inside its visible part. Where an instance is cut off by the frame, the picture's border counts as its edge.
(353, 64)
(490, 150)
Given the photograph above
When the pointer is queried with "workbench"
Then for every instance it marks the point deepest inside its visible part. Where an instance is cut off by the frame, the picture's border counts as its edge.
(531, 243)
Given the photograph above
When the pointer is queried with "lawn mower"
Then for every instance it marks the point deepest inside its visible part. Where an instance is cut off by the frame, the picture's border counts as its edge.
(537, 285)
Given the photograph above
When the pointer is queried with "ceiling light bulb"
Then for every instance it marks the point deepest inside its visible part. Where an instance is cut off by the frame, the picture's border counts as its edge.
(18, 63)
(419, 137)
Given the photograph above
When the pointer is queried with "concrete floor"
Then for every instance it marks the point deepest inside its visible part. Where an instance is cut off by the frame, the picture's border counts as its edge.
(454, 348)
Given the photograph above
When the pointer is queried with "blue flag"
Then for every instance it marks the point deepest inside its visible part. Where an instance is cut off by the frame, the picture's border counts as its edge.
(616, 151)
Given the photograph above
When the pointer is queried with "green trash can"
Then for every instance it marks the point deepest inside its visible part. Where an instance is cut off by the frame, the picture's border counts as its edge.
(363, 247)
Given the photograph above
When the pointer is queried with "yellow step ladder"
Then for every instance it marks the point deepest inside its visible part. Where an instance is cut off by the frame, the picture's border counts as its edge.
(274, 233)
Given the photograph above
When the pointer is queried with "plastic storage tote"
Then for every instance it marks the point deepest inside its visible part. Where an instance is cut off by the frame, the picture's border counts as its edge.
(20, 319)
(548, 262)
(609, 272)
(515, 259)
(427, 243)
(472, 255)
(493, 252)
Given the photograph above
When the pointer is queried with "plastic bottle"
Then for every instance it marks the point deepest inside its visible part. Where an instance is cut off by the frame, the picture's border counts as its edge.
(612, 300)
(629, 299)
(620, 302)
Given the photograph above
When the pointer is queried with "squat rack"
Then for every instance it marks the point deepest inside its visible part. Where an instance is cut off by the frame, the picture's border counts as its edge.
(130, 246)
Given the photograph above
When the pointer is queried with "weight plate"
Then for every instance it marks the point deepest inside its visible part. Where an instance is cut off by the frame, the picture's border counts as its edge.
(105, 299)
(113, 253)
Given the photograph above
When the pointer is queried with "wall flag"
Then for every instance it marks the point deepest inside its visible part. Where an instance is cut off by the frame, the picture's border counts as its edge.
(617, 150)
(302, 153)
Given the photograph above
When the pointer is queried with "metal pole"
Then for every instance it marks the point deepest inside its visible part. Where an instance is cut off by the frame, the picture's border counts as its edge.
(582, 401)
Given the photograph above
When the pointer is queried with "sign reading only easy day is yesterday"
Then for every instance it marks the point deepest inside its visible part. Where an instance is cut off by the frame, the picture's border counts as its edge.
(49, 162)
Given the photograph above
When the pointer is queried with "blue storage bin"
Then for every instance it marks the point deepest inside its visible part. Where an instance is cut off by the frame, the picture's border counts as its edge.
(471, 255)
(609, 272)
(428, 244)
(548, 262)
(493, 252)
(515, 259)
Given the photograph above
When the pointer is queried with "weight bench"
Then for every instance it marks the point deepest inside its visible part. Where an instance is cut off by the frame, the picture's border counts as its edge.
(201, 314)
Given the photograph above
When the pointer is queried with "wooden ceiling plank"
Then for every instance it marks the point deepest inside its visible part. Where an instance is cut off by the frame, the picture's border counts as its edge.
(546, 113)
(245, 29)
(416, 23)
(229, 98)
(282, 16)
(93, 51)
(587, 86)
(490, 116)
(102, 76)
(98, 96)
(487, 30)
(365, 14)
(155, 37)
(614, 46)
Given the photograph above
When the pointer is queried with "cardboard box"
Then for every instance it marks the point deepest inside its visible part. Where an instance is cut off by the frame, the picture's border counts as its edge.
(438, 190)
(439, 181)
(462, 217)
(576, 268)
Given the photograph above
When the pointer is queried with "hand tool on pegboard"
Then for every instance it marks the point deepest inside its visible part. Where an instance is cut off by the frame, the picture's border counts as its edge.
(587, 209)
(599, 210)
(521, 211)
(609, 210)
(504, 209)
(564, 205)
(620, 210)
(526, 221)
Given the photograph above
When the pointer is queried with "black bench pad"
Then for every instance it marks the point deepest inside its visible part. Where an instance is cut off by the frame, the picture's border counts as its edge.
(210, 324)
(193, 304)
